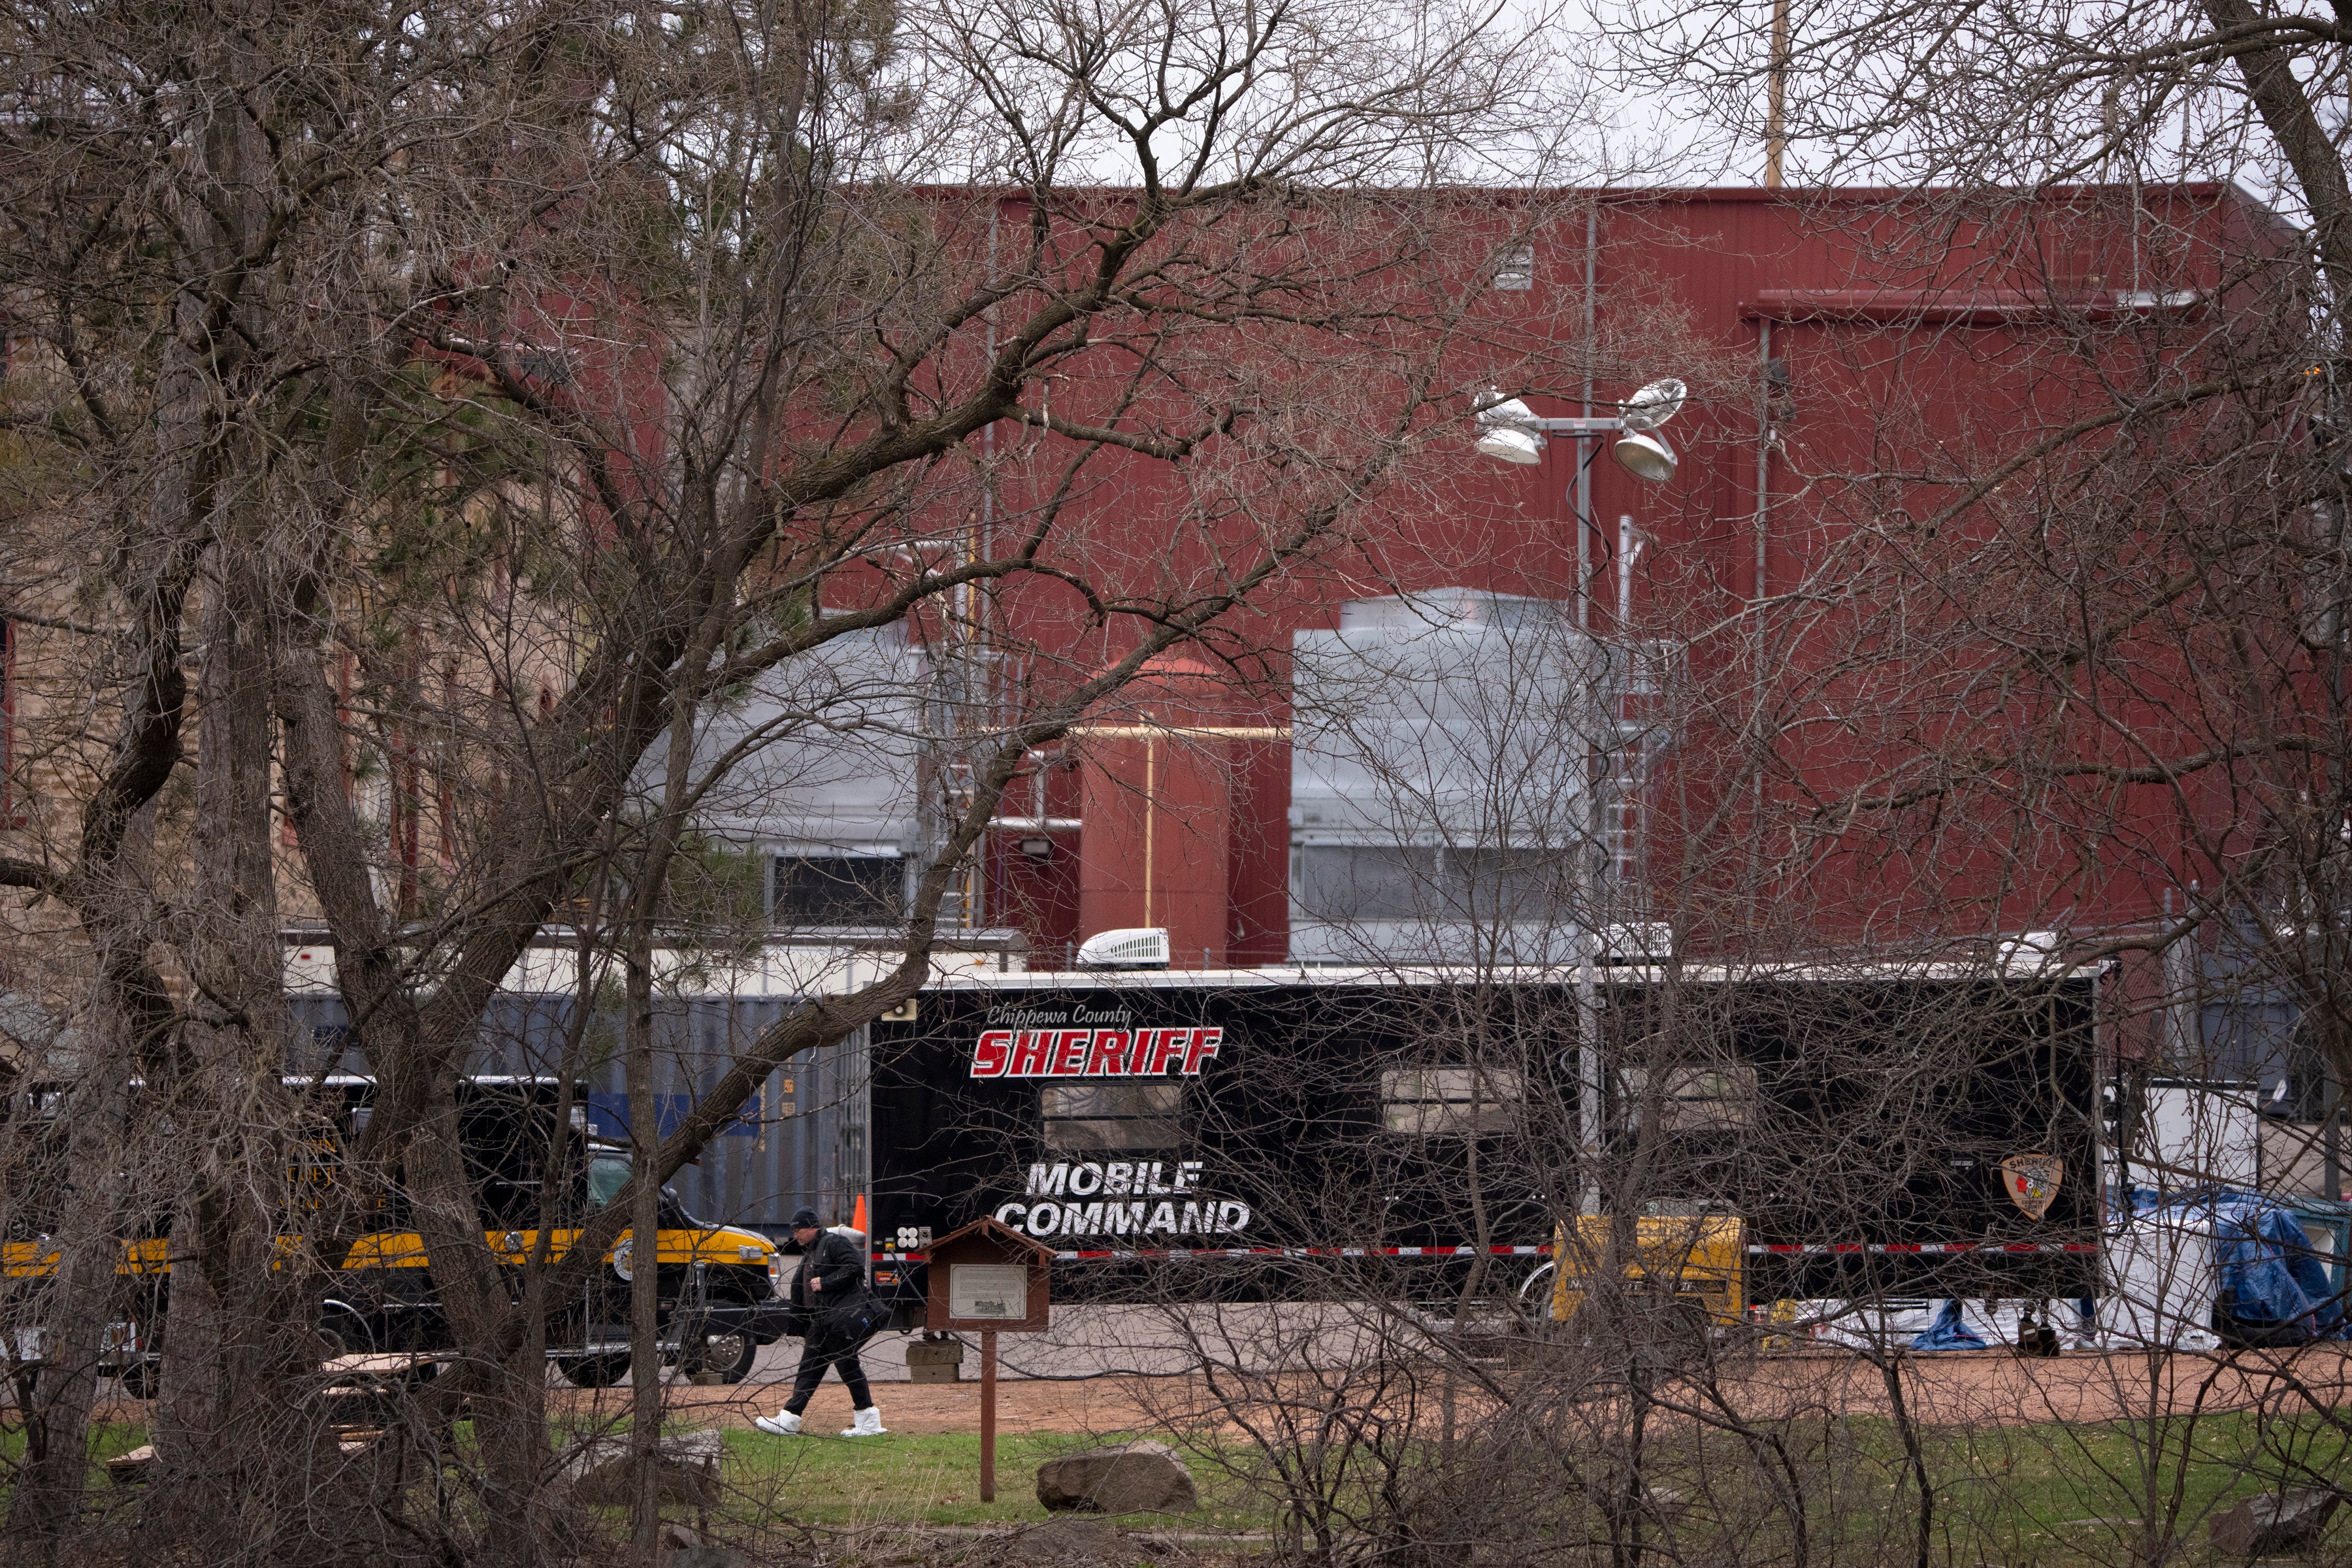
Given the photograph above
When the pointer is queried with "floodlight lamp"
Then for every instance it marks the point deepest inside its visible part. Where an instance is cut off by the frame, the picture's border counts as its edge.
(1644, 457)
(1501, 410)
(1507, 430)
(1653, 404)
(1511, 445)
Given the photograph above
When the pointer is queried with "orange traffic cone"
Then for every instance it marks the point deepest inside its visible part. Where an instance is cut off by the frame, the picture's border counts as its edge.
(857, 1219)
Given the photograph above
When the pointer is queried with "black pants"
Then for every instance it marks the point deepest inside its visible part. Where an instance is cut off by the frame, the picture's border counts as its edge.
(819, 1351)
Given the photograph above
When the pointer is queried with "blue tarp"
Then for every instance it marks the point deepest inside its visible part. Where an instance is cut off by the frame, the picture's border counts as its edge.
(2277, 1289)
(1949, 1332)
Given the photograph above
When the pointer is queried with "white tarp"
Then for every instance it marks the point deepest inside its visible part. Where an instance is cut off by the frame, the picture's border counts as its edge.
(2162, 1282)
(1893, 1324)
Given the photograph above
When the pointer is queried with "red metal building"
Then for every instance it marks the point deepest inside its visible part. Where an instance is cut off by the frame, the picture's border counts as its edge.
(1857, 359)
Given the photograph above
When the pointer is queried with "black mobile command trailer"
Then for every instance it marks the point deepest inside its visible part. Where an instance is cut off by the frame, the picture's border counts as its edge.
(1175, 1133)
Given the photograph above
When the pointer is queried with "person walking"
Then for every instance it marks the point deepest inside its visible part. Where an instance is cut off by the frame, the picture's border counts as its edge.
(830, 1297)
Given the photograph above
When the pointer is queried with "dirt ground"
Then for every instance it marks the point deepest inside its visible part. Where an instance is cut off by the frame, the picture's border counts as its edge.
(1081, 1406)
(1951, 1389)
(1954, 1388)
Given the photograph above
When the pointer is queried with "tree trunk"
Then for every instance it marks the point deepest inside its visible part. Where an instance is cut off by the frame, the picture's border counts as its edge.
(645, 1229)
(129, 1011)
(226, 1425)
(526, 1522)
(45, 1502)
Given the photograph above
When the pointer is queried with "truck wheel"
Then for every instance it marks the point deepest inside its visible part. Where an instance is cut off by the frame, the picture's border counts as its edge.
(729, 1355)
(138, 1379)
(593, 1370)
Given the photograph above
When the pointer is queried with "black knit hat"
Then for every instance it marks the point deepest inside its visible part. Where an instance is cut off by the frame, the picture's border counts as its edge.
(804, 1218)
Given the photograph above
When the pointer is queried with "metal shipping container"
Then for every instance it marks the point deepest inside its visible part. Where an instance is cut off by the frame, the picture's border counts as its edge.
(800, 1140)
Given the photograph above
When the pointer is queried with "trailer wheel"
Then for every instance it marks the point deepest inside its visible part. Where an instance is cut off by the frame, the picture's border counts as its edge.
(345, 1332)
(1535, 1291)
(138, 1377)
(729, 1355)
(593, 1370)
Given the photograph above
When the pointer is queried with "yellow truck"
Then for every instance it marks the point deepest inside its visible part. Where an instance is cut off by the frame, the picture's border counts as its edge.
(1704, 1255)
(718, 1285)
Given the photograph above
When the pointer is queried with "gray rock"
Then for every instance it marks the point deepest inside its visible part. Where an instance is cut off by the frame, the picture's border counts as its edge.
(682, 1548)
(1070, 1543)
(1127, 1478)
(688, 1462)
(2277, 1525)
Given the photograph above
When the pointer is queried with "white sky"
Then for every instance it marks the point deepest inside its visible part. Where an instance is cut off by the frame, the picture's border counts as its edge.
(1585, 105)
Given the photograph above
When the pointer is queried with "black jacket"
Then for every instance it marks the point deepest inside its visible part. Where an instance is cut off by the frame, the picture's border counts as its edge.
(834, 1261)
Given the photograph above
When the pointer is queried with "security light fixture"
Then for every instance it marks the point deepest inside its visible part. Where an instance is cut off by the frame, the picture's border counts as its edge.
(1037, 847)
(1507, 429)
(1639, 452)
(1510, 430)
(1653, 404)
(1644, 457)
(1524, 447)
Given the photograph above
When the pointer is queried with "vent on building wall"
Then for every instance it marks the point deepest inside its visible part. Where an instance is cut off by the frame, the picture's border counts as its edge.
(1136, 947)
(1514, 267)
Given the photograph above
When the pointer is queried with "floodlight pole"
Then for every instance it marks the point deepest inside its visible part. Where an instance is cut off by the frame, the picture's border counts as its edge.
(1592, 1076)
(1592, 1081)
(1580, 492)
(1591, 1085)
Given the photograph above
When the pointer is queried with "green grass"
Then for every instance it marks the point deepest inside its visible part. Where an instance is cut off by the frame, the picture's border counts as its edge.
(107, 1440)
(2066, 1490)
(2050, 1495)
(828, 1480)
(929, 1480)
(2014, 1495)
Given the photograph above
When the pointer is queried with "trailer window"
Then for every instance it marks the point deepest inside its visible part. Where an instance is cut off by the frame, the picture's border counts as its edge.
(1694, 1099)
(1087, 1117)
(1424, 1102)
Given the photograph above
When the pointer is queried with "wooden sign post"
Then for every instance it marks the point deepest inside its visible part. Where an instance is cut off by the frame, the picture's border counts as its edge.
(989, 1277)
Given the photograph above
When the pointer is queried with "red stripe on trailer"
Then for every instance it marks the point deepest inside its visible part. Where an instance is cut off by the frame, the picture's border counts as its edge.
(1755, 1249)
(1779, 1248)
(1462, 1251)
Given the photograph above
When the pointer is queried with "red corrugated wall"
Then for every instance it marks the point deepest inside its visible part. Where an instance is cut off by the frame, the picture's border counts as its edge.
(1889, 360)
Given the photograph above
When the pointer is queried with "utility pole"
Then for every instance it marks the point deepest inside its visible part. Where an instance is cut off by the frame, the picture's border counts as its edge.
(1776, 101)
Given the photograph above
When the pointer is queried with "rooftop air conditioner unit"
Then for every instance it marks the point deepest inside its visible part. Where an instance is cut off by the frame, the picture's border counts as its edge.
(1640, 942)
(2030, 950)
(1136, 947)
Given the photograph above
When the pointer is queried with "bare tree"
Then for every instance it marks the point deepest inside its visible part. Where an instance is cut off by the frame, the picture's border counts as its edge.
(2161, 541)
(493, 393)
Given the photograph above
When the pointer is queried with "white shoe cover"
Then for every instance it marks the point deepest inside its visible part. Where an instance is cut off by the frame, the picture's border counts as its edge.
(869, 1424)
(783, 1424)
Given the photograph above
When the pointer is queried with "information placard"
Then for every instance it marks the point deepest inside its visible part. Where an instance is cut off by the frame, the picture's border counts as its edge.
(988, 1291)
(997, 1281)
